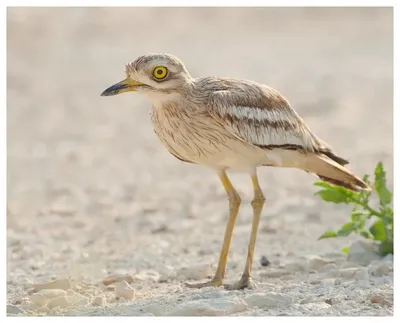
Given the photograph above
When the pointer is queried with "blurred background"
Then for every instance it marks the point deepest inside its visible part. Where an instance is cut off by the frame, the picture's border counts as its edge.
(92, 190)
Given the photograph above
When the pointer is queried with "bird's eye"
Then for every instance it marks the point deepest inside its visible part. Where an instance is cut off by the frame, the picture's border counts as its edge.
(160, 72)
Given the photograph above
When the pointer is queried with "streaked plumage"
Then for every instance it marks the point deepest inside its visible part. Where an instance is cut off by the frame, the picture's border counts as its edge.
(227, 124)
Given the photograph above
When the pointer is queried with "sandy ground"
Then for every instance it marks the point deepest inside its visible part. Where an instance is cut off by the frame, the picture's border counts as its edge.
(92, 192)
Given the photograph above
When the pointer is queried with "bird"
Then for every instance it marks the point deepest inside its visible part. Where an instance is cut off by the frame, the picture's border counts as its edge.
(229, 124)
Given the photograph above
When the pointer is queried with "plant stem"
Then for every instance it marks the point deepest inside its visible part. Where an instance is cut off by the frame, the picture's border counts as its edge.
(367, 207)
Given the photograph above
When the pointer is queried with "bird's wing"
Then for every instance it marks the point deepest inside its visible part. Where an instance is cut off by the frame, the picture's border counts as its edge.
(261, 116)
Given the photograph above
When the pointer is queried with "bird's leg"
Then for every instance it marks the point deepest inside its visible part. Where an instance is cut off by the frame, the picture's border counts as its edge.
(257, 204)
(234, 203)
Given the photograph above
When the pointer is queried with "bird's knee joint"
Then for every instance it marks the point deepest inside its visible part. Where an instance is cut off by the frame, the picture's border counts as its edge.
(234, 201)
(258, 201)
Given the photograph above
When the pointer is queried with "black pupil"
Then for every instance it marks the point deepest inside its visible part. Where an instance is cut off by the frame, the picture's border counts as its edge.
(159, 72)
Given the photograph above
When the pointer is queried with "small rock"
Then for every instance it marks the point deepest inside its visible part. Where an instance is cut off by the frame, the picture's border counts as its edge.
(195, 272)
(154, 309)
(348, 272)
(76, 299)
(329, 281)
(148, 276)
(381, 300)
(316, 307)
(363, 253)
(268, 229)
(123, 289)
(209, 307)
(362, 274)
(12, 309)
(43, 309)
(117, 278)
(264, 261)
(61, 302)
(332, 301)
(54, 284)
(380, 268)
(52, 293)
(99, 301)
(317, 263)
(388, 257)
(38, 299)
(268, 300)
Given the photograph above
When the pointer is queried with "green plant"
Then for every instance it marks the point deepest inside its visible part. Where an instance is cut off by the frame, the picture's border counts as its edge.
(381, 230)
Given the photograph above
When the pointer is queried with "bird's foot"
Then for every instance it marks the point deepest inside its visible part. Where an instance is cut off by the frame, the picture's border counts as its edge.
(215, 282)
(244, 282)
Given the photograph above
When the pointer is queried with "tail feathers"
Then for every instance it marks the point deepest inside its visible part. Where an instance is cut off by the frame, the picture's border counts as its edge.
(337, 182)
(326, 168)
(332, 172)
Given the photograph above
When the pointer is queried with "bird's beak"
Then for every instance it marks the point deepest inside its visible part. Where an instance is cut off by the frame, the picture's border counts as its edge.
(124, 86)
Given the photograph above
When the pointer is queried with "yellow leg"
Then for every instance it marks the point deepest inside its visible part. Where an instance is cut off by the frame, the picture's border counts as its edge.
(257, 204)
(234, 203)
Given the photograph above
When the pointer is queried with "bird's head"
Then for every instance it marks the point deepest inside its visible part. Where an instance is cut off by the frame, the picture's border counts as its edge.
(153, 75)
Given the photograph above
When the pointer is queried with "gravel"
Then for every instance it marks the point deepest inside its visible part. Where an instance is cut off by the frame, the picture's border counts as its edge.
(96, 206)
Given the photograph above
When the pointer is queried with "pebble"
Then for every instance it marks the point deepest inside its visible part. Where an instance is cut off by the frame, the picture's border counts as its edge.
(316, 307)
(268, 300)
(99, 301)
(381, 300)
(348, 272)
(317, 263)
(363, 253)
(117, 278)
(12, 309)
(195, 272)
(148, 276)
(264, 261)
(63, 284)
(380, 268)
(38, 299)
(154, 309)
(124, 290)
(209, 307)
(388, 257)
(43, 309)
(362, 274)
(61, 302)
(52, 293)
(76, 298)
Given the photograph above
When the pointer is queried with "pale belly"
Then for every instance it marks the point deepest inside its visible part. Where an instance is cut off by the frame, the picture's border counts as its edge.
(211, 146)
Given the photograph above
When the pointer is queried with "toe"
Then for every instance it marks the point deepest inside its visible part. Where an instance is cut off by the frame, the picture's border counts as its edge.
(213, 283)
(242, 284)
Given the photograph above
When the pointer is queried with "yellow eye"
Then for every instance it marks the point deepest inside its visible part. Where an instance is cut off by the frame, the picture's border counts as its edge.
(160, 72)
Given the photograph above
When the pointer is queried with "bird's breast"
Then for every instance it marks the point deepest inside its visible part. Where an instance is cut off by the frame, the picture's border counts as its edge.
(189, 135)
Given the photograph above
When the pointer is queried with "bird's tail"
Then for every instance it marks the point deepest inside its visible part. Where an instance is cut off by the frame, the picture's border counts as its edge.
(327, 169)
(330, 171)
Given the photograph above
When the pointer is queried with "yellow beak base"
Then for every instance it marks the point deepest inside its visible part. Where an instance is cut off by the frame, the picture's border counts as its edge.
(126, 85)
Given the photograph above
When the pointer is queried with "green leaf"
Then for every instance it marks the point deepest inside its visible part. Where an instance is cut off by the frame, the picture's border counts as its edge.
(328, 234)
(346, 229)
(385, 196)
(366, 234)
(378, 230)
(386, 247)
(345, 250)
(336, 195)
